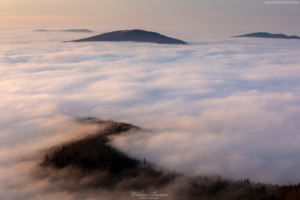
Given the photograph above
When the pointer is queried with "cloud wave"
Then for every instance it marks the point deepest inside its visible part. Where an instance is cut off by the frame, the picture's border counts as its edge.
(225, 106)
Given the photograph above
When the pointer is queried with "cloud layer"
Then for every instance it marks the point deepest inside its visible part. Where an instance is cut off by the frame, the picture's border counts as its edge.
(218, 106)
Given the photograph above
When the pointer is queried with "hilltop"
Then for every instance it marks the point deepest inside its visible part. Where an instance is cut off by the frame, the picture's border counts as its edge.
(132, 36)
(69, 30)
(268, 35)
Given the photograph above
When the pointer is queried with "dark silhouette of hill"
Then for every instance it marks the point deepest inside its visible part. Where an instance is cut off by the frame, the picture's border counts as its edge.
(268, 35)
(92, 164)
(133, 36)
(69, 30)
(92, 152)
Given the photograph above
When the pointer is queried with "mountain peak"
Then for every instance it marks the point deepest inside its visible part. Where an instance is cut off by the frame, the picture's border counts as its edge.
(135, 35)
(269, 35)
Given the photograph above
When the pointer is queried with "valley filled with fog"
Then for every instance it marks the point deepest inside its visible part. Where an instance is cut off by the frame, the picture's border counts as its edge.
(220, 105)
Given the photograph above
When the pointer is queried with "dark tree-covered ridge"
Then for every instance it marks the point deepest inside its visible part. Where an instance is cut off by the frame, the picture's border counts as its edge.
(111, 170)
(93, 152)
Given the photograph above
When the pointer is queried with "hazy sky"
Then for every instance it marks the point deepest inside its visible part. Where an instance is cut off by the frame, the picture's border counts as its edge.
(156, 13)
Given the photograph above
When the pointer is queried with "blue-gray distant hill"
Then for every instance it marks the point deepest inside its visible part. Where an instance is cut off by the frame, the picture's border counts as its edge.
(69, 30)
(133, 36)
(268, 35)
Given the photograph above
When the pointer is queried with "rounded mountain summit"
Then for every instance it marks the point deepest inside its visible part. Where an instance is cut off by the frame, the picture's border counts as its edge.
(132, 36)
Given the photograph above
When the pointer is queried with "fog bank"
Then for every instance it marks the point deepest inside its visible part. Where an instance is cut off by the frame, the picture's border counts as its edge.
(218, 106)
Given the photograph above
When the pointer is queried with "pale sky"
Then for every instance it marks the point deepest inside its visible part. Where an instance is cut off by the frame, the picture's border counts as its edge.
(154, 13)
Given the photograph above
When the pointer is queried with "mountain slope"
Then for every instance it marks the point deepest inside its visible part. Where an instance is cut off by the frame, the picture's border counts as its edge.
(90, 164)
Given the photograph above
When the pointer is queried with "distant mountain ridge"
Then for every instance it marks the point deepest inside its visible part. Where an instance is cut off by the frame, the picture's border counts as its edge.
(132, 36)
(269, 35)
(69, 30)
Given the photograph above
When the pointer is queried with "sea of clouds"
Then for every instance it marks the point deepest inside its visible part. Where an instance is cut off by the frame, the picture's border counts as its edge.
(227, 106)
